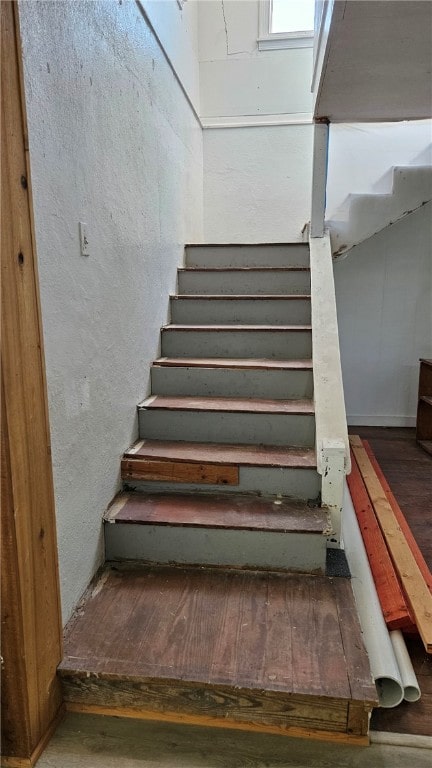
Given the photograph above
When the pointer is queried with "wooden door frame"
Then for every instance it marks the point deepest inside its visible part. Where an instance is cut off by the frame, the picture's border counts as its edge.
(30, 609)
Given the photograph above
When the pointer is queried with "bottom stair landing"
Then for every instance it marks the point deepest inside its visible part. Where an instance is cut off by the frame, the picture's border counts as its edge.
(264, 651)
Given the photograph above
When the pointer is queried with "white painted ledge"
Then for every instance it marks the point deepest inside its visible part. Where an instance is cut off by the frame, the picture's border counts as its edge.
(330, 415)
(279, 42)
(256, 121)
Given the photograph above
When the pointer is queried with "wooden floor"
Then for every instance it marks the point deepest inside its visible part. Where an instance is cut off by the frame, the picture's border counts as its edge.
(86, 741)
(279, 650)
(408, 470)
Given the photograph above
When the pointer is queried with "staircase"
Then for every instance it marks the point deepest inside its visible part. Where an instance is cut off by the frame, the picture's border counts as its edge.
(363, 215)
(215, 606)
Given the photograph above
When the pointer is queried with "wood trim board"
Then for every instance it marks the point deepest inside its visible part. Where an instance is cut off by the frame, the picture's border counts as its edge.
(421, 562)
(31, 618)
(393, 604)
(416, 590)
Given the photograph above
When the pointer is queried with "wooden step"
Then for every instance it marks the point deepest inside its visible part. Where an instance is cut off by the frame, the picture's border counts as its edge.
(207, 378)
(214, 453)
(247, 363)
(262, 651)
(277, 280)
(228, 420)
(237, 341)
(191, 466)
(241, 309)
(254, 255)
(241, 531)
(228, 405)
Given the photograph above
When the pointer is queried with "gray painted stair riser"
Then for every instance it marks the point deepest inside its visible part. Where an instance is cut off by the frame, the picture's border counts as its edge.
(292, 255)
(293, 483)
(292, 551)
(232, 382)
(238, 343)
(231, 311)
(243, 282)
(227, 427)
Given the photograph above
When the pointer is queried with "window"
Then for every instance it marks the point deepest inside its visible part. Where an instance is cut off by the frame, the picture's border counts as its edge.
(286, 24)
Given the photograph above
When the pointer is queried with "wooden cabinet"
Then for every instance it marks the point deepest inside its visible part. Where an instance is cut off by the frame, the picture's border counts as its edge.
(424, 407)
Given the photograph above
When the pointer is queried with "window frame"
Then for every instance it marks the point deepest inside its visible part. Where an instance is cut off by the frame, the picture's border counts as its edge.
(272, 41)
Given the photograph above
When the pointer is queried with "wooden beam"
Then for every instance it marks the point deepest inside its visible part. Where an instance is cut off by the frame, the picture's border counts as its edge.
(414, 547)
(338, 737)
(394, 607)
(179, 472)
(416, 591)
(31, 619)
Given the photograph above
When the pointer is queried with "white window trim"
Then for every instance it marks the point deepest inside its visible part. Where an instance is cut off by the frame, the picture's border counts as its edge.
(271, 41)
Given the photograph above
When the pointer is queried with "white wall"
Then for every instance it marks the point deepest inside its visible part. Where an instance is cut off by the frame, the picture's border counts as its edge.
(384, 301)
(238, 79)
(361, 156)
(177, 30)
(257, 180)
(114, 143)
(257, 184)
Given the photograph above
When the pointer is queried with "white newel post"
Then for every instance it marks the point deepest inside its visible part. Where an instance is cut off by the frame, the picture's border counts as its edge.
(319, 178)
(333, 467)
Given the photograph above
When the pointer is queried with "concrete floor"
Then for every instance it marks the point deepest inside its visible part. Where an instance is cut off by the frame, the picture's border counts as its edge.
(87, 741)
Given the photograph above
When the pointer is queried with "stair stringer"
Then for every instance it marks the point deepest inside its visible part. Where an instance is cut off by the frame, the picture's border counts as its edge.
(370, 213)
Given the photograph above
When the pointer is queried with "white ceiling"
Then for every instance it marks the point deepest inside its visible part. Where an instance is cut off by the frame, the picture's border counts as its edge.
(377, 62)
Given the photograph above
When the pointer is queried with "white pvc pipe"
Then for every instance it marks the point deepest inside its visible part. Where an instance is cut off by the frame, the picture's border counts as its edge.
(382, 659)
(409, 679)
(401, 739)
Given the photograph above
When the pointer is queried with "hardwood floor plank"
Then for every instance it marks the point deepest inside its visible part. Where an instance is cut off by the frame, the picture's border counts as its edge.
(417, 593)
(358, 669)
(220, 511)
(212, 626)
(246, 363)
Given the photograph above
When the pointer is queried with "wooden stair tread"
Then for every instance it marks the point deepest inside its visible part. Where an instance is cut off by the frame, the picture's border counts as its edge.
(248, 245)
(246, 363)
(221, 628)
(228, 404)
(244, 269)
(237, 327)
(242, 296)
(226, 454)
(227, 511)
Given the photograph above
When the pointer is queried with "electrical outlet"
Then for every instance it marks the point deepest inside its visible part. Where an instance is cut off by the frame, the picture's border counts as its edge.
(84, 239)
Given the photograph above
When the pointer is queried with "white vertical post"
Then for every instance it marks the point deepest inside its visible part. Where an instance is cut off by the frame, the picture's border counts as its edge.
(333, 475)
(319, 178)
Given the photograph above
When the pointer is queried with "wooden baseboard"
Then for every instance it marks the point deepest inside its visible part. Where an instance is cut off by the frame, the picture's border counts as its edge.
(29, 762)
(213, 722)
